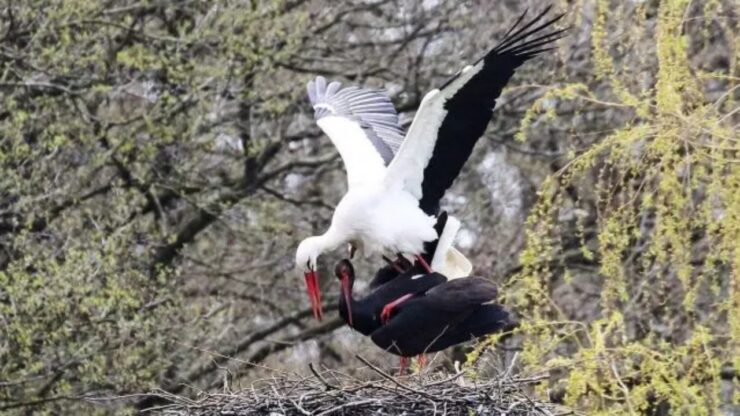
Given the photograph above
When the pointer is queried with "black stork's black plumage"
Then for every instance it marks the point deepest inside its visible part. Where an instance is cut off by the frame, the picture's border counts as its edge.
(392, 284)
(428, 313)
(448, 314)
(364, 315)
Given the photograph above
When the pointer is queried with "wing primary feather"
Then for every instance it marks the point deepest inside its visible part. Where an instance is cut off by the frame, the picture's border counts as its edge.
(513, 47)
(535, 43)
(311, 89)
(332, 88)
(320, 86)
(502, 48)
(369, 109)
(534, 53)
(456, 116)
(511, 39)
(518, 32)
(516, 23)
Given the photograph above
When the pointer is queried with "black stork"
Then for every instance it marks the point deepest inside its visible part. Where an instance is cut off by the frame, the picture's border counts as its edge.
(413, 315)
(395, 180)
(395, 281)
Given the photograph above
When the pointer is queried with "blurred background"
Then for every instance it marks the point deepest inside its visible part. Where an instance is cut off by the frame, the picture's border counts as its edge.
(159, 164)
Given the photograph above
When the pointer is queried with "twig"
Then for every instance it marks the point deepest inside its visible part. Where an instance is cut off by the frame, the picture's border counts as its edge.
(346, 405)
(321, 378)
(390, 378)
(295, 394)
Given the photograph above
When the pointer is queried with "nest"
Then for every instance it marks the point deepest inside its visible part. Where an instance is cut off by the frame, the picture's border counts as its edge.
(333, 393)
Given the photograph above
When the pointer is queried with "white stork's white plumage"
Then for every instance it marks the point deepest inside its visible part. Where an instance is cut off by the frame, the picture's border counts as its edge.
(395, 184)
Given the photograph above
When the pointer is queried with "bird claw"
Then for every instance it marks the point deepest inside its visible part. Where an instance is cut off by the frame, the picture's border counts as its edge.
(421, 361)
(403, 365)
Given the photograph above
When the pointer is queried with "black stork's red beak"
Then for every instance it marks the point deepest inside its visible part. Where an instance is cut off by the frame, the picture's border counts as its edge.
(314, 293)
(347, 293)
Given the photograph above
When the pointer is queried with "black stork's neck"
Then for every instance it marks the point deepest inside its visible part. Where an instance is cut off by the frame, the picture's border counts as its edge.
(355, 313)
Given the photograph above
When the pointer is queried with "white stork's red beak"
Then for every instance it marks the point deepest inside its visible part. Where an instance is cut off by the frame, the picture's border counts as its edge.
(314, 293)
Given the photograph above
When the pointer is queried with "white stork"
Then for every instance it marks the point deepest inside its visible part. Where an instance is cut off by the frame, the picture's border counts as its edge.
(395, 184)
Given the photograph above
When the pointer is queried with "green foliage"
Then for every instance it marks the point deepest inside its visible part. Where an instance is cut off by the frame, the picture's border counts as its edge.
(666, 231)
(147, 219)
(84, 320)
(102, 109)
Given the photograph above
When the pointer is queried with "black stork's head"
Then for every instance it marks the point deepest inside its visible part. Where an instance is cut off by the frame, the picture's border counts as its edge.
(345, 272)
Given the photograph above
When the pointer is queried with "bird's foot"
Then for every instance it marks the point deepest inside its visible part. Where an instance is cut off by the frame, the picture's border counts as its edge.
(394, 264)
(403, 366)
(421, 361)
(424, 263)
(385, 314)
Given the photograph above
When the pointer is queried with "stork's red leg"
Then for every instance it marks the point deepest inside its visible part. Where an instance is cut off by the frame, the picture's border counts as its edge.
(403, 262)
(385, 314)
(393, 264)
(403, 365)
(421, 361)
(424, 263)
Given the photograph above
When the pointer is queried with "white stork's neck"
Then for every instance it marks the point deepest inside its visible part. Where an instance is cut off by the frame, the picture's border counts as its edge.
(330, 240)
(311, 248)
(319, 244)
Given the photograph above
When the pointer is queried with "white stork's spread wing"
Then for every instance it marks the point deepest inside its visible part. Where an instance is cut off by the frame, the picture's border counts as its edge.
(362, 124)
(452, 118)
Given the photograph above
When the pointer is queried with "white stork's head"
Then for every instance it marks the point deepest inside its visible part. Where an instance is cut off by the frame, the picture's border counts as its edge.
(306, 257)
(308, 253)
(309, 250)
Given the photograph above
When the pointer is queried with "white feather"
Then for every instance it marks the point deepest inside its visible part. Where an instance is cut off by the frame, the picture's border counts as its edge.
(448, 260)
(362, 162)
(383, 220)
(407, 168)
(456, 265)
(446, 238)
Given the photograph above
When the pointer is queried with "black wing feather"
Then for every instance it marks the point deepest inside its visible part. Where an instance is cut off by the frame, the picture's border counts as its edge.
(470, 109)
(459, 295)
